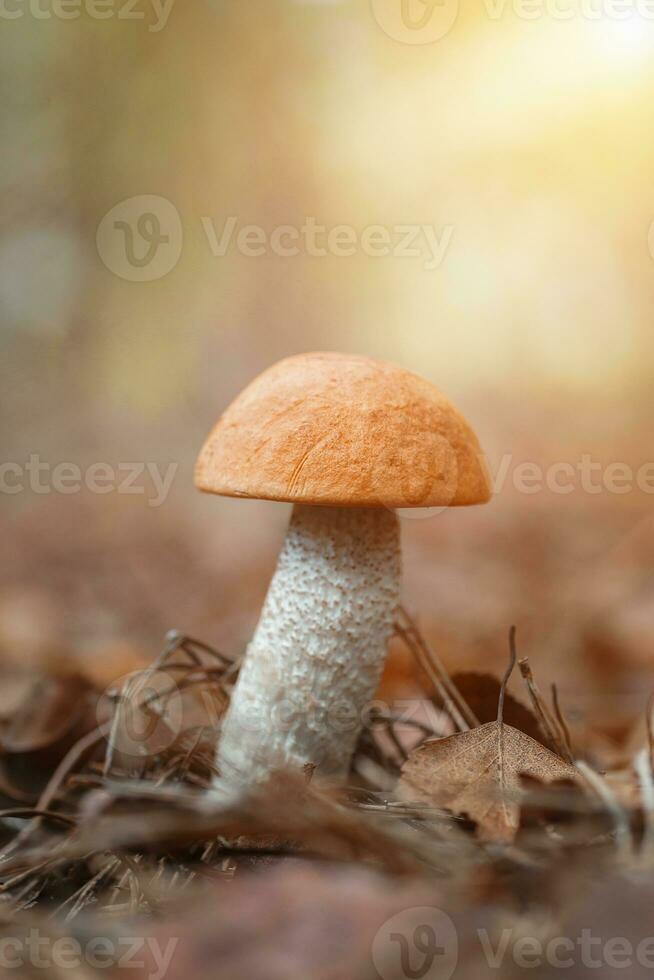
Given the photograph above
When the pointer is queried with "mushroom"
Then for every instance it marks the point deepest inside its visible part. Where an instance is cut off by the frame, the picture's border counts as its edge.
(347, 440)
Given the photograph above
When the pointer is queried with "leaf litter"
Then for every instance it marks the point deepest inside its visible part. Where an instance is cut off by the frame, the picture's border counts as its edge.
(501, 805)
(477, 773)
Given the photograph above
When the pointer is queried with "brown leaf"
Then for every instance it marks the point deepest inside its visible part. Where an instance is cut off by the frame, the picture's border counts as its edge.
(478, 774)
(56, 712)
(481, 693)
(52, 710)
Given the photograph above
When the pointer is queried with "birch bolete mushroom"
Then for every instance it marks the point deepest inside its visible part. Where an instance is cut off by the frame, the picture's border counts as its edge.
(346, 440)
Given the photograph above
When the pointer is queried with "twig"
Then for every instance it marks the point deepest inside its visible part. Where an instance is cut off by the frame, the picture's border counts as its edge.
(19, 876)
(547, 724)
(130, 691)
(21, 813)
(561, 720)
(623, 838)
(205, 648)
(507, 675)
(72, 757)
(500, 717)
(420, 726)
(463, 717)
(79, 898)
(438, 665)
(392, 734)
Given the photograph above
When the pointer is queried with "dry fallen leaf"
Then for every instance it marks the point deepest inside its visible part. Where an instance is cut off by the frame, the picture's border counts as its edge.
(55, 713)
(477, 773)
(63, 706)
(481, 693)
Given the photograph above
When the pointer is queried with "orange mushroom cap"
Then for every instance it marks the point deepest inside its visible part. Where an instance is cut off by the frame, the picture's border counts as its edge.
(343, 430)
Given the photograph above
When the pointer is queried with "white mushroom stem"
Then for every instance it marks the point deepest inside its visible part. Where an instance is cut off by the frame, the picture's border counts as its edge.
(316, 657)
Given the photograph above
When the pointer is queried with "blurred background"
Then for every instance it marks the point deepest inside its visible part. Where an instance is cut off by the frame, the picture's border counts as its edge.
(136, 137)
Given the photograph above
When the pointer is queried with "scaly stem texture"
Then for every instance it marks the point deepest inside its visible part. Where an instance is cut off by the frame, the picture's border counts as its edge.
(316, 657)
